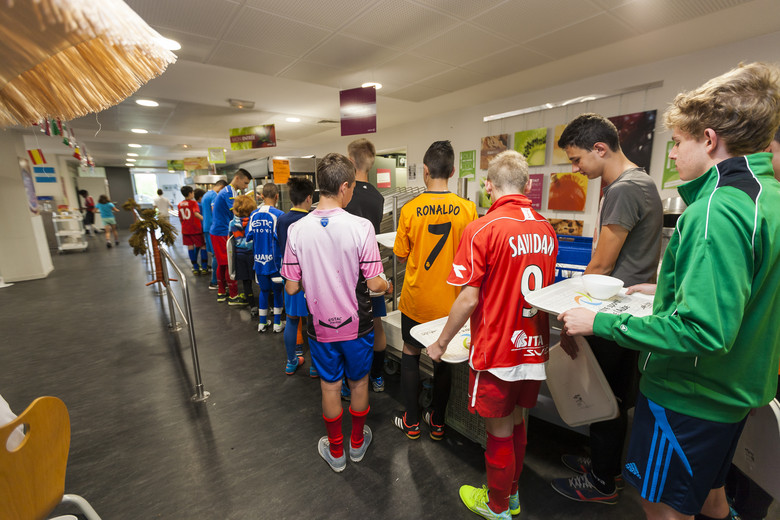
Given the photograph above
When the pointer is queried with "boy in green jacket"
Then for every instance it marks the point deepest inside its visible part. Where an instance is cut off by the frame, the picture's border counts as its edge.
(709, 351)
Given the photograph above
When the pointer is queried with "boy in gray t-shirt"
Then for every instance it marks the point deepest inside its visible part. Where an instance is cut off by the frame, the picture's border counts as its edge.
(626, 245)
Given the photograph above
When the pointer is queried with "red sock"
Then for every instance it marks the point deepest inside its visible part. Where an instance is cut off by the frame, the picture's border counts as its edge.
(500, 464)
(519, 440)
(335, 437)
(358, 420)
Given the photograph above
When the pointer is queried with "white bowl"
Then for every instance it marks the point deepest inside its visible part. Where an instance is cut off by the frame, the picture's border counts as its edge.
(601, 287)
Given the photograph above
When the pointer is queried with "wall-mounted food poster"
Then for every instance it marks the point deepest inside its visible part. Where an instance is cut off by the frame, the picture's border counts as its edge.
(535, 190)
(636, 133)
(567, 226)
(568, 191)
(533, 145)
(492, 145)
(559, 155)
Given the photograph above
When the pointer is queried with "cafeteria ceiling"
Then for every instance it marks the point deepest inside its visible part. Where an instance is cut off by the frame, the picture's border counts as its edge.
(291, 57)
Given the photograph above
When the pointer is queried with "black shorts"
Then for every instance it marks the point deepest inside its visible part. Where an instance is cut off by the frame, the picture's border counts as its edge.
(89, 217)
(406, 326)
(245, 265)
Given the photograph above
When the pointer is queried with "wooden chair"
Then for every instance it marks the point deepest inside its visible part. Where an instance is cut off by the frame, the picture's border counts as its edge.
(32, 475)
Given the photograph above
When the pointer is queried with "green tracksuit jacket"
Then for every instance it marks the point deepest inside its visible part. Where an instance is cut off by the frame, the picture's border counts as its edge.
(712, 345)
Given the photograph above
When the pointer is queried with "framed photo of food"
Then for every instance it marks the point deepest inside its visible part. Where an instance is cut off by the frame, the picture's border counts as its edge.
(568, 191)
(533, 145)
(492, 145)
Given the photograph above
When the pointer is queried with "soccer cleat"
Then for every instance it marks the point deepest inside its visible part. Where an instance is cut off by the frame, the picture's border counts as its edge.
(336, 464)
(357, 454)
(514, 503)
(221, 297)
(437, 431)
(346, 393)
(195, 271)
(413, 431)
(262, 327)
(278, 327)
(581, 489)
(377, 384)
(237, 300)
(476, 499)
(213, 286)
(583, 465)
(313, 372)
(292, 367)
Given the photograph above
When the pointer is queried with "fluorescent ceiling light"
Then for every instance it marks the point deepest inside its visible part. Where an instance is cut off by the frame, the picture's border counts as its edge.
(129, 164)
(130, 159)
(132, 145)
(147, 103)
(293, 119)
(372, 84)
(131, 154)
(139, 131)
(171, 45)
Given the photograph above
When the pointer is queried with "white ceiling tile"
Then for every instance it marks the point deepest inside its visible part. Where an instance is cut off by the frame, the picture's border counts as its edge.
(399, 23)
(455, 79)
(244, 58)
(417, 93)
(193, 47)
(331, 14)
(611, 4)
(524, 20)
(592, 33)
(407, 69)
(507, 62)
(646, 17)
(462, 8)
(322, 75)
(461, 44)
(200, 17)
(259, 30)
(348, 53)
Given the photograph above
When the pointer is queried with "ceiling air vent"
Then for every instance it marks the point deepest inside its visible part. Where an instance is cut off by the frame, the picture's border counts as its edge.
(327, 122)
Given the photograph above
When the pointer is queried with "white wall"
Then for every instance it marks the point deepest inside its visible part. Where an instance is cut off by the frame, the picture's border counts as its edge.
(465, 128)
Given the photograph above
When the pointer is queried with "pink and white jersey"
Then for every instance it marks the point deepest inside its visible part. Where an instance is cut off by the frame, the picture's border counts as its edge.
(333, 253)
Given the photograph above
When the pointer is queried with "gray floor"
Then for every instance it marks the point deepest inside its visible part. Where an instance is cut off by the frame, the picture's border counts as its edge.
(94, 335)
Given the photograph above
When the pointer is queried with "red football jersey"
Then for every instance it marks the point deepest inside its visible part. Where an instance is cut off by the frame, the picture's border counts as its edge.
(507, 253)
(190, 224)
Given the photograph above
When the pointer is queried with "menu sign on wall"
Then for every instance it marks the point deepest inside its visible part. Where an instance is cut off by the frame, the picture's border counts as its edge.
(249, 137)
(358, 111)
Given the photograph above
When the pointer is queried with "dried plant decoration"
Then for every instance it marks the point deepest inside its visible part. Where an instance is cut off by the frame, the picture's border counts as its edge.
(67, 58)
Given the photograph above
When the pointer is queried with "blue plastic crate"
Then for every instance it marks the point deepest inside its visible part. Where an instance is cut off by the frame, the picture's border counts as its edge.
(574, 254)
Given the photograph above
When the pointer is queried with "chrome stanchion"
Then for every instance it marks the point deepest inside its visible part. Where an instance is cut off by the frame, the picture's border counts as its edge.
(173, 324)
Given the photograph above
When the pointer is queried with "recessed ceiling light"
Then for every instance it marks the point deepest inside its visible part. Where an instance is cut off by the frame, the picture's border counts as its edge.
(131, 154)
(139, 131)
(134, 145)
(293, 119)
(372, 84)
(147, 103)
(171, 45)
(130, 159)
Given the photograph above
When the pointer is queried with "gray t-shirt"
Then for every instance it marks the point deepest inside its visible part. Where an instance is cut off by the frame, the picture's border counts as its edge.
(632, 202)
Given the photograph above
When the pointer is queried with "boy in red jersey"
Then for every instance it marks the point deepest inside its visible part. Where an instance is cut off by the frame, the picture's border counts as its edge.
(191, 231)
(501, 257)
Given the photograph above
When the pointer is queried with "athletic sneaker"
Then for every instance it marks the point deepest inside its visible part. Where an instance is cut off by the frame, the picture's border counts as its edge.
(213, 286)
(278, 327)
(582, 465)
(221, 297)
(514, 503)
(108, 245)
(262, 327)
(203, 270)
(413, 431)
(346, 393)
(292, 367)
(581, 489)
(195, 270)
(357, 454)
(476, 499)
(377, 384)
(313, 372)
(437, 431)
(336, 464)
(238, 300)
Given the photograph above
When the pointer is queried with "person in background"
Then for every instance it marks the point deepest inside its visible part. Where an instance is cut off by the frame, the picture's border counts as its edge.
(429, 231)
(710, 351)
(89, 212)
(206, 209)
(204, 255)
(334, 255)
(301, 191)
(510, 339)
(368, 203)
(222, 215)
(626, 245)
(191, 230)
(163, 206)
(243, 206)
(107, 210)
(267, 257)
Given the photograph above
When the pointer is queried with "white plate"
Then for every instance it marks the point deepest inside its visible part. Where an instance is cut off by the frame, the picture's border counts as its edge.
(458, 349)
(570, 293)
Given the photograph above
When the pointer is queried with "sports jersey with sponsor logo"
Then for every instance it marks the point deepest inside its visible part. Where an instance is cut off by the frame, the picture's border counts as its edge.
(222, 211)
(333, 253)
(429, 231)
(507, 253)
(262, 232)
(190, 224)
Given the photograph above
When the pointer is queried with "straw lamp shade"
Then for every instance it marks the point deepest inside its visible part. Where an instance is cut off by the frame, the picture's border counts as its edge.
(66, 58)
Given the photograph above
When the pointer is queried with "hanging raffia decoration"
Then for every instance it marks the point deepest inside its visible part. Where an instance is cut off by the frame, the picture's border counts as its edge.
(66, 58)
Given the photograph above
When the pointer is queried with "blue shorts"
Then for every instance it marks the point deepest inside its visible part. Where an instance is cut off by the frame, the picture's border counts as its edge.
(266, 284)
(378, 306)
(677, 459)
(295, 305)
(352, 357)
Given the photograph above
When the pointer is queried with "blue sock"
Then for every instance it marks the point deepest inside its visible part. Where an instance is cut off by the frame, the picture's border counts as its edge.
(290, 337)
(214, 271)
(204, 258)
(193, 256)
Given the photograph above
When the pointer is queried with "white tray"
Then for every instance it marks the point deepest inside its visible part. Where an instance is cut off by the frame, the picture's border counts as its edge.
(458, 349)
(578, 387)
(570, 293)
(757, 454)
(386, 239)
